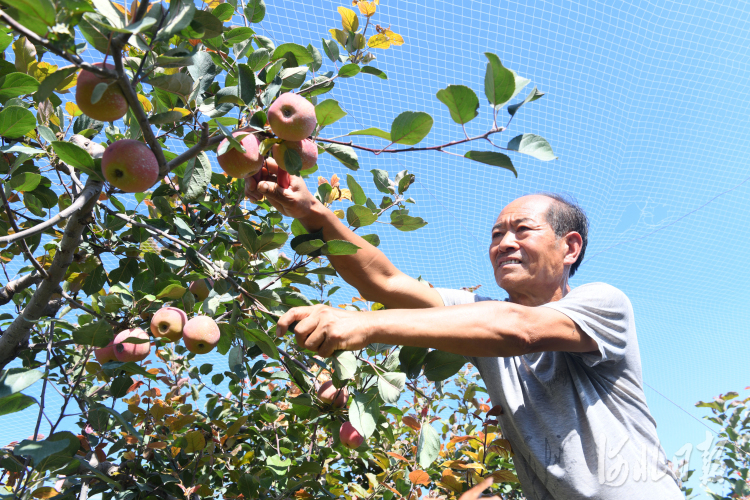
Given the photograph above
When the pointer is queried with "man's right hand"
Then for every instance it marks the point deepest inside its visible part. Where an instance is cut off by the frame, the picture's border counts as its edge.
(293, 201)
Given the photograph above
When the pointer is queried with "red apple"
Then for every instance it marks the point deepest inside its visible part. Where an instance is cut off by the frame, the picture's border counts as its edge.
(112, 104)
(130, 165)
(306, 149)
(239, 164)
(330, 395)
(292, 117)
(350, 437)
(201, 334)
(201, 288)
(168, 322)
(106, 354)
(127, 351)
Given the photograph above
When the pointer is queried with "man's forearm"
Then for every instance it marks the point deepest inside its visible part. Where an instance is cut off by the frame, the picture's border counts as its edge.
(368, 270)
(482, 329)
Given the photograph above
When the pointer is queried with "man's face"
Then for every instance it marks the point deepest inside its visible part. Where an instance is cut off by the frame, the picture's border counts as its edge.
(526, 256)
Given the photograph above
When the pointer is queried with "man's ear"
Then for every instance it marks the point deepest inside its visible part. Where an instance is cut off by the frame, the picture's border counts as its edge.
(573, 245)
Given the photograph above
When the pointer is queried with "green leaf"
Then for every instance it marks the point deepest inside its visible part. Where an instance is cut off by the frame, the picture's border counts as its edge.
(499, 82)
(404, 222)
(328, 112)
(390, 385)
(39, 450)
(317, 61)
(412, 359)
(533, 96)
(127, 425)
(258, 59)
(339, 247)
(372, 239)
(492, 158)
(166, 117)
(224, 12)
(440, 365)
(265, 43)
(344, 154)
(301, 54)
(179, 83)
(358, 194)
(382, 182)
(48, 85)
(15, 403)
(322, 84)
(255, 10)
(73, 155)
(532, 145)
(375, 72)
(349, 70)
(16, 121)
(25, 181)
(97, 334)
(360, 216)
(309, 247)
(237, 35)
(331, 49)
(17, 84)
(291, 78)
(462, 102)
(245, 83)
(15, 380)
(197, 177)
(44, 10)
(373, 131)
(345, 364)
(179, 17)
(364, 412)
(248, 237)
(428, 447)
(292, 161)
(410, 127)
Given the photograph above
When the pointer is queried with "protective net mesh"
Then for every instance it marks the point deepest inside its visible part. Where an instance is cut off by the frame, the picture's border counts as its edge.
(646, 108)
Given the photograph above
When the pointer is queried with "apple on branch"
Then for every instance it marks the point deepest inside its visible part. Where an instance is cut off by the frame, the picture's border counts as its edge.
(168, 322)
(130, 165)
(201, 334)
(129, 351)
(292, 117)
(110, 106)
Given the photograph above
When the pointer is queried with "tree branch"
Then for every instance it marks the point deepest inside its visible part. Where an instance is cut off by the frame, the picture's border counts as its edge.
(91, 190)
(191, 153)
(22, 243)
(138, 112)
(404, 150)
(18, 284)
(102, 72)
(18, 332)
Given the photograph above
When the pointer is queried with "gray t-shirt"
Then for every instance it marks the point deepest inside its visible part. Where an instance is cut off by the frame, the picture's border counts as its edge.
(578, 422)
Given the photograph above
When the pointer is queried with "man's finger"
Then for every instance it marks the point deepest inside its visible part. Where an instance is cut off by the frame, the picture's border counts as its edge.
(476, 491)
(293, 315)
(314, 340)
(327, 348)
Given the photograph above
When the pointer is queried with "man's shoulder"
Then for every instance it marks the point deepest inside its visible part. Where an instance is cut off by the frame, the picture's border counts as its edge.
(598, 292)
(453, 297)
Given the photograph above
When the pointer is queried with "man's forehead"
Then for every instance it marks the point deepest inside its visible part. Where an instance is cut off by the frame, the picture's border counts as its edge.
(531, 208)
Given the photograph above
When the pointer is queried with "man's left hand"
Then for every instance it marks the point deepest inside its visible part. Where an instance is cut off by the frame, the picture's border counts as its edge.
(324, 330)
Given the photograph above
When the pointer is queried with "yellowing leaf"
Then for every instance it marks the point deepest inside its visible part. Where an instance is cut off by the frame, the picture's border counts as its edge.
(68, 83)
(450, 481)
(145, 103)
(346, 195)
(214, 3)
(157, 445)
(195, 441)
(419, 477)
(183, 111)
(159, 410)
(504, 476)
(41, 70)
(349, 20)
(385, 39)
(73, 109)
(45, 492)
(340, 214)
(236, 426)
(339, 36)
(367, 8)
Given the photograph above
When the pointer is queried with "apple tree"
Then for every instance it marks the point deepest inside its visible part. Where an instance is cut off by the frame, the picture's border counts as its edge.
(113, 308)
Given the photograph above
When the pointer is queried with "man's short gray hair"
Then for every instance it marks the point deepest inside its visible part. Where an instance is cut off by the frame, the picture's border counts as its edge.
(566, 216)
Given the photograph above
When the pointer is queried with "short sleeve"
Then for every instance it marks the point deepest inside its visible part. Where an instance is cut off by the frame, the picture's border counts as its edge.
(605, 314)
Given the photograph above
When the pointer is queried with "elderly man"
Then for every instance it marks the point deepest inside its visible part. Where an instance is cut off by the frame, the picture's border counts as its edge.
(563, 364)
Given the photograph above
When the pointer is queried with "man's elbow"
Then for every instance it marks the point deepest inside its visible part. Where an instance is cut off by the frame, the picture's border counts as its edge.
(516, 333)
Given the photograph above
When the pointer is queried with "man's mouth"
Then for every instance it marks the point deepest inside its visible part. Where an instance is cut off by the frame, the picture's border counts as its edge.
(509, 261)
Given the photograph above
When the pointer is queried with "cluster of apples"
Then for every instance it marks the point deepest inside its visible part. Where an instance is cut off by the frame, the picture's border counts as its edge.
(131, 166)
(199, 334)
(337, 398)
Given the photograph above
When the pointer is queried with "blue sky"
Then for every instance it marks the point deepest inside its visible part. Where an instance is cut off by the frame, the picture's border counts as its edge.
(646, 107)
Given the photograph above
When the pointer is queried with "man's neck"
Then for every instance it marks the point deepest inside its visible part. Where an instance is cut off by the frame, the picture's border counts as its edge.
(538, 298)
